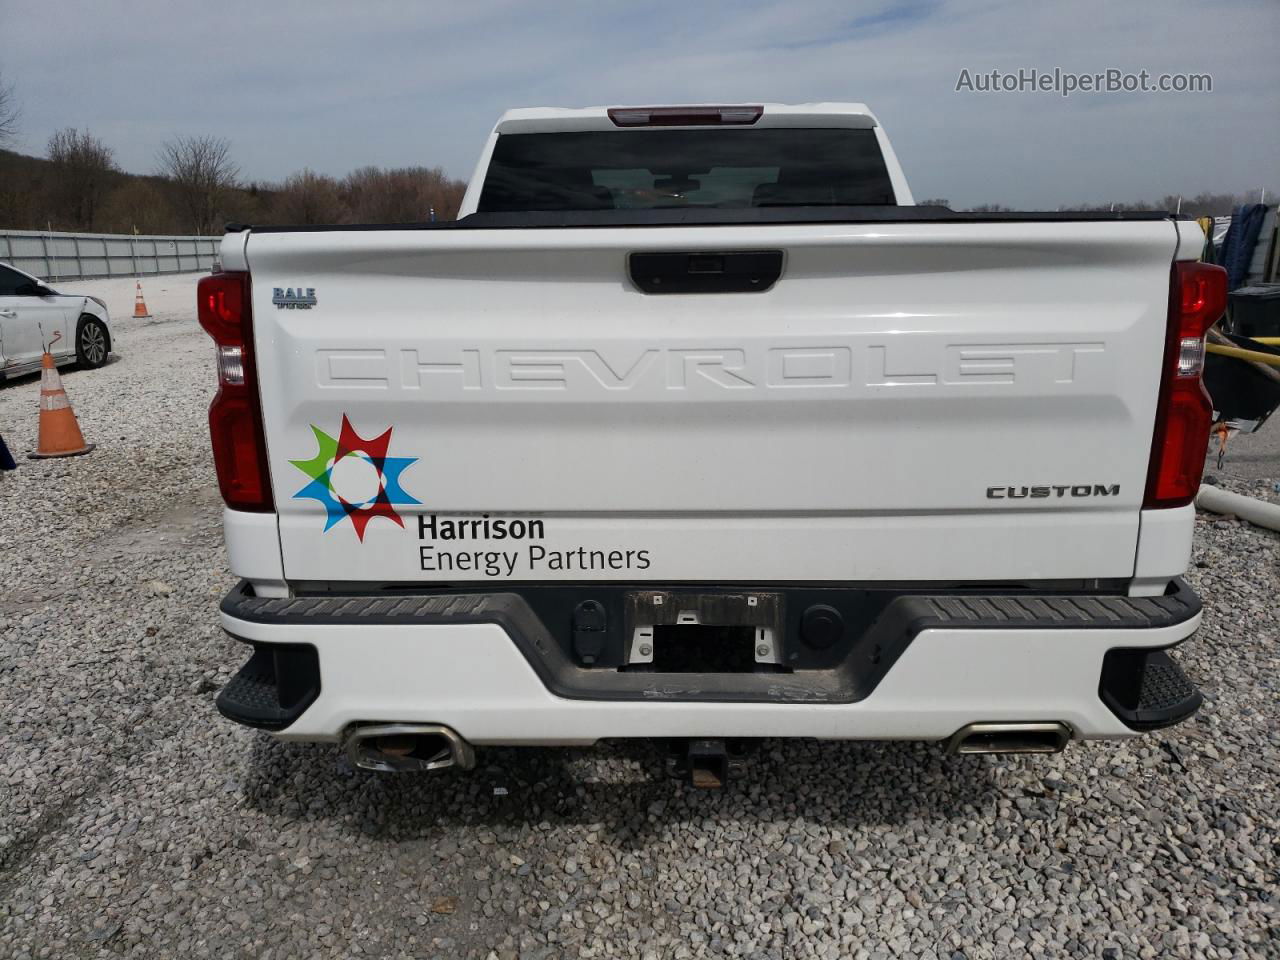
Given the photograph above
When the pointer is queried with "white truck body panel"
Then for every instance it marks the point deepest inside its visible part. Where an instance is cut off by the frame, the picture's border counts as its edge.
(823, 430)
(942, 425)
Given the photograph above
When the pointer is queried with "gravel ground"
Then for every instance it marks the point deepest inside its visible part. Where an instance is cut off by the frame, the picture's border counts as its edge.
(136, 822)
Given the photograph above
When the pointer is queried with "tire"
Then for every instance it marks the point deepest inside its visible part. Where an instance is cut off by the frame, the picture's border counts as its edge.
(93, 343)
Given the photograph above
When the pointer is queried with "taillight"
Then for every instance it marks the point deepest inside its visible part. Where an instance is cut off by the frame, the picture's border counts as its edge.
(235, 420)
(1185, 413)
(685, 116)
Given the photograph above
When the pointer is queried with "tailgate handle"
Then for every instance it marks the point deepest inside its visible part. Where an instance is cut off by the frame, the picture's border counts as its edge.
(705, 271)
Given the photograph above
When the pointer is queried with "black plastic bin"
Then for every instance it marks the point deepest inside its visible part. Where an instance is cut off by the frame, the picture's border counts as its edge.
(1255, 310)
(1238, 390)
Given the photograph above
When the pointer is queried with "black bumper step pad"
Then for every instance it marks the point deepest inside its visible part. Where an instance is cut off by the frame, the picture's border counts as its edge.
(1147, 689)
(878, 645)
(1043, 612)
(274, 688)
(958, 611)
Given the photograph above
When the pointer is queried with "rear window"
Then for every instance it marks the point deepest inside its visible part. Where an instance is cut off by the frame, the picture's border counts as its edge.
(654, 169)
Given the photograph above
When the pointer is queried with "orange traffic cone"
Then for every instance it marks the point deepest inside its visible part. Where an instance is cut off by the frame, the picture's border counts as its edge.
(139, 305)
(60, 434)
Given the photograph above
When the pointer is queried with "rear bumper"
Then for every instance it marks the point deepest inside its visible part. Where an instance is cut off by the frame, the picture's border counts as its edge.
(484, 665)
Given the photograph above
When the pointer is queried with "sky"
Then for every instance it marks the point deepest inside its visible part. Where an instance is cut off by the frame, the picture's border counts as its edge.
(335, 86)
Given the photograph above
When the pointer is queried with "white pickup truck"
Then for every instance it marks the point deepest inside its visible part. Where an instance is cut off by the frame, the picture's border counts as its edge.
(694, 427)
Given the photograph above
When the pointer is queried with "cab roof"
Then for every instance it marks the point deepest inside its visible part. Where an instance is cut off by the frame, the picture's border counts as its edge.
(555, 119)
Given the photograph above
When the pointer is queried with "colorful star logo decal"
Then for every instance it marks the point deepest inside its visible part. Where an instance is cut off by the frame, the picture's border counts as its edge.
(331, 452)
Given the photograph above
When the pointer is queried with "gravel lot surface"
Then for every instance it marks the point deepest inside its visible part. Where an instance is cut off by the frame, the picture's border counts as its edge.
(134, 821)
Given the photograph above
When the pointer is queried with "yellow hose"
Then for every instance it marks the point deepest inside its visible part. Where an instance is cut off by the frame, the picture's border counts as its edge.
(1269, 341)
(1254, 355)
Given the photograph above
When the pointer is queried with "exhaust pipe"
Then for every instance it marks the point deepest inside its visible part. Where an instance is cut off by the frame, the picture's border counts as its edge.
(1010, 738)
(408, 748)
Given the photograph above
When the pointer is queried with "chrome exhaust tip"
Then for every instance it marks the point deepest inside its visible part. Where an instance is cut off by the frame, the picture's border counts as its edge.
(1049, 737)
(408, 748)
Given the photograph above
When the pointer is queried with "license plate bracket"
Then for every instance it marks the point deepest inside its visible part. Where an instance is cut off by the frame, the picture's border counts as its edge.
(690, 632)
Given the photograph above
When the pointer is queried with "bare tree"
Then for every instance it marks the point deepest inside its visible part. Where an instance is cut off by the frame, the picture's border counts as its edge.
(8, 112)
(202, 173)
(405, 195)
(309, 198)
(139, 204)
(82, 166)
(1207, 204)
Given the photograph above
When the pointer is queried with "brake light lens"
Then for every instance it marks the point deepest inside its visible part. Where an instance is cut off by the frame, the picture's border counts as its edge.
(685, 116)
(235, 418)
(1184, 413)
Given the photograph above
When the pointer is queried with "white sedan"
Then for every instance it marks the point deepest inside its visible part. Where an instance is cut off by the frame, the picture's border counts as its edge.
(76, 329)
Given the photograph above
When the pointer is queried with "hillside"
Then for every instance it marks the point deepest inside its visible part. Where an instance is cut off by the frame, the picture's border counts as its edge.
(30, 199)
(34, 195)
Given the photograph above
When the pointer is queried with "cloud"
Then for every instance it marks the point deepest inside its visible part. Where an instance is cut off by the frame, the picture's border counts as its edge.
(333, 86)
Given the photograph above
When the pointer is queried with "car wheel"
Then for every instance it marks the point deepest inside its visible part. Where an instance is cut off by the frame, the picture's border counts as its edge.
(93, 343)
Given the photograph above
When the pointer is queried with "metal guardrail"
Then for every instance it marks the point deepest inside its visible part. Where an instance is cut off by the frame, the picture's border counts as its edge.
(89, 256)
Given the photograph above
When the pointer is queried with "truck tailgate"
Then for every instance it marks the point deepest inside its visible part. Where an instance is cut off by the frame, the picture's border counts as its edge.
(910, 401)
